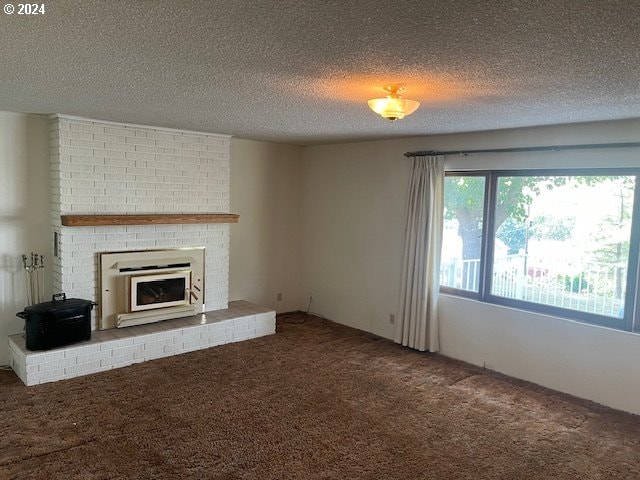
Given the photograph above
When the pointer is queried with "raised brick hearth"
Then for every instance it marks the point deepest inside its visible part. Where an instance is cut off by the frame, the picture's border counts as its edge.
(118, 348)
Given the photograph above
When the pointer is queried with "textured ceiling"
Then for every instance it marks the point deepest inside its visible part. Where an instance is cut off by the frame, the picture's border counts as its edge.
(300, 71)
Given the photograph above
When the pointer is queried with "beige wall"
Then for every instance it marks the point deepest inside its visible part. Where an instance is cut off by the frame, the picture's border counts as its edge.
(24, 212)
(265, 244)
(327, 221)
(354, 199)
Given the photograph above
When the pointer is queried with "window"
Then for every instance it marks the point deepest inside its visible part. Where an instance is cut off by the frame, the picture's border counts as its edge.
(563, 243)
(462, 236)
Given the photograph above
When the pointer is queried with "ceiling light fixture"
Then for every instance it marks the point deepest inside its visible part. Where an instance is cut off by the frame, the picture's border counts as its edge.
(393, 106)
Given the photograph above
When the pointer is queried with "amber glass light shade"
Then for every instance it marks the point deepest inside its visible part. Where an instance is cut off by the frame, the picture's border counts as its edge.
(393, 106)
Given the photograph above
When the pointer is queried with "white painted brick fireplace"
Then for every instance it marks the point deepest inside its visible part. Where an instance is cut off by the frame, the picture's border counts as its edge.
(107, 168)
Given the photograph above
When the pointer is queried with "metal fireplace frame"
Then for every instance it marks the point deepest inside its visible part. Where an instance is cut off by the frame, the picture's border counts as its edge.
(118, 270)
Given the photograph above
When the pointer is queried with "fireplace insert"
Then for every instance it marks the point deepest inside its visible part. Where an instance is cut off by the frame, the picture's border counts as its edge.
(139, 287)
(161, 290)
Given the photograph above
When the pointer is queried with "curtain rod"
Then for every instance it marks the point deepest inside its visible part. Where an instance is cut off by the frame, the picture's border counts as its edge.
(549, 148)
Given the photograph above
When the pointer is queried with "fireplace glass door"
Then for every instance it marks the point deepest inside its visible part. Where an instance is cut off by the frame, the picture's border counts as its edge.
(160, 290)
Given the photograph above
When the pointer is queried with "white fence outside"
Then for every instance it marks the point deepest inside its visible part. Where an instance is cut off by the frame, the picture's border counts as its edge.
(585, 286)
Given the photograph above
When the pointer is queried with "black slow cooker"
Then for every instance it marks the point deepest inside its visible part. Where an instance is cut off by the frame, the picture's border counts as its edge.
(62, 321)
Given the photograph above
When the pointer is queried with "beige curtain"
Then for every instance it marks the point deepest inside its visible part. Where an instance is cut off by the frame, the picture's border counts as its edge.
(417, 325)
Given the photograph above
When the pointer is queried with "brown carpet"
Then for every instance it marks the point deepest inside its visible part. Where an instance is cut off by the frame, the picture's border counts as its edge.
(315, 401)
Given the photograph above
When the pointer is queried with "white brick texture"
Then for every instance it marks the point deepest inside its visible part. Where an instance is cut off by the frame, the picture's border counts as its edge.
(105, 168)
(242, 321)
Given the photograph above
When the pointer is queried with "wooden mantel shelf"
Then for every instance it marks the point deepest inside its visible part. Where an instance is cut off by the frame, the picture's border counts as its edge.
(147, 219)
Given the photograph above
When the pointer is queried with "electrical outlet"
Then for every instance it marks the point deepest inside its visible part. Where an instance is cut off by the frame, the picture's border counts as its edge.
(392, 319)
(279, 297)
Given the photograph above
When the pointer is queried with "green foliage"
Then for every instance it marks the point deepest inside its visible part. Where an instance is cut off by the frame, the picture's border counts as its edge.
(552, 228)
(464, 195)
(613, 234)
(613, 252)
(464, 202)
(575, 283)
(515, 194)
(513, 234)
(464, 198)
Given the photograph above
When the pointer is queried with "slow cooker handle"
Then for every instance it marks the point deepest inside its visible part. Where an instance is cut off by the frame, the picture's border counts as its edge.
(59, 297)
(22, 315)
